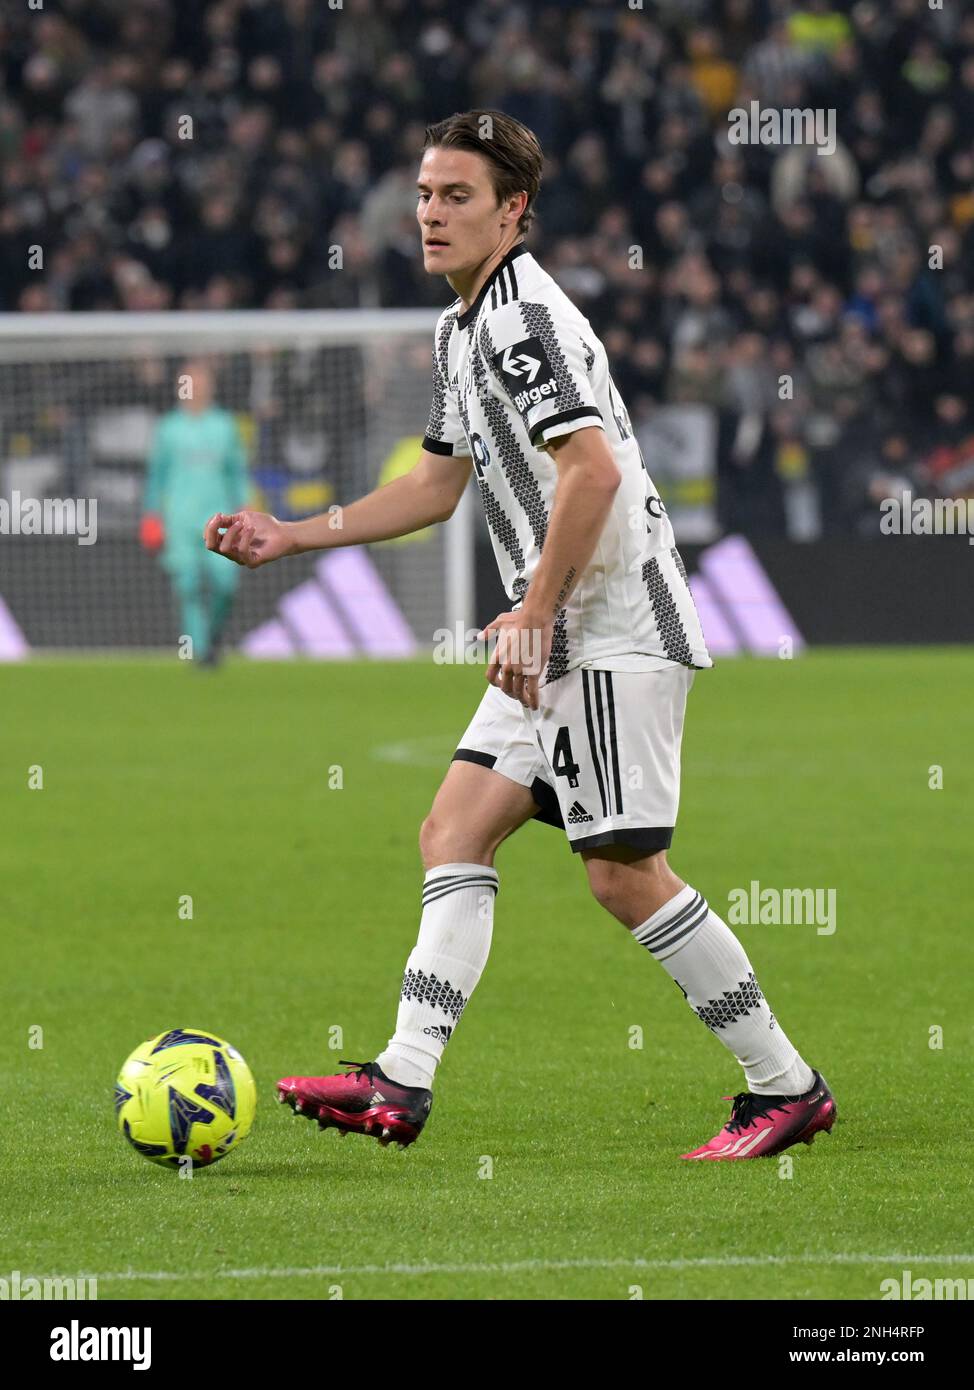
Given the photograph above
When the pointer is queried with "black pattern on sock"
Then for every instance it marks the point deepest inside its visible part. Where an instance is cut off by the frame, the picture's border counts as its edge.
(428, 989)
(732, 1005)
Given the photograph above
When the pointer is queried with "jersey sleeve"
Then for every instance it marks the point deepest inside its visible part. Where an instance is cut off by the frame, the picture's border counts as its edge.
(542, 366)
(444, 432)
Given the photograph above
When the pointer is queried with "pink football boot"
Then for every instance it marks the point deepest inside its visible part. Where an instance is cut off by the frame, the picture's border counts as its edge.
(365, 1101)
(761, 1126)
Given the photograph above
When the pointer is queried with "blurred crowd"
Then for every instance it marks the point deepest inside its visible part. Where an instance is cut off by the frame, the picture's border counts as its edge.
(213, 155)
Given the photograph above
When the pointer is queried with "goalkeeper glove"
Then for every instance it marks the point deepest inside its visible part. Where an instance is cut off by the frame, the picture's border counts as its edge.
(151, 532)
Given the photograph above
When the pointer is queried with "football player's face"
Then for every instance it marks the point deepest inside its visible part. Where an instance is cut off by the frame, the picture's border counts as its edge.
(459, 217)
(201, 377)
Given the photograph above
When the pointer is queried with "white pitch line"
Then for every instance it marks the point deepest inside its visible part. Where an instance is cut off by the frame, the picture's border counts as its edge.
(537, 1266)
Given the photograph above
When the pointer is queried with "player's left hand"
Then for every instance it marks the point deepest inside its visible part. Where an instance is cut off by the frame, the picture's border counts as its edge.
(521, 653)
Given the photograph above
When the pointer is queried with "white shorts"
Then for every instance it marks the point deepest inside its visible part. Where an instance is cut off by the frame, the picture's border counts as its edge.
(601, 755)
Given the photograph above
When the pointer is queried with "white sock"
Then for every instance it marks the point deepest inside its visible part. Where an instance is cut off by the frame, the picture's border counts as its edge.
(442, 970)
(701, 953)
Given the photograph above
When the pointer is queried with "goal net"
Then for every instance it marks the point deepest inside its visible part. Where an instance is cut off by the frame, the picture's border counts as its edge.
(328, 406)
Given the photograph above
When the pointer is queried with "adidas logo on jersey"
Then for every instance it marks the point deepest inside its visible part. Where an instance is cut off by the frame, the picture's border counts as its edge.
(578, 813)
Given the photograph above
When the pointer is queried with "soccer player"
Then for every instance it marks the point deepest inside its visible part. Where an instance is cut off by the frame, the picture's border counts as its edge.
(196, 466)
(591, 668)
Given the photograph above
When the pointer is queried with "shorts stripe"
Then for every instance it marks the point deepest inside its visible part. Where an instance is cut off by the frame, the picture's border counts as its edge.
(600, 715)
(591, 742)
(616, 780)
(606, 715)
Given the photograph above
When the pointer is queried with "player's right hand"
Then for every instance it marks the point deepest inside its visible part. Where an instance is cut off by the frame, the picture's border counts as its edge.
(248, 538)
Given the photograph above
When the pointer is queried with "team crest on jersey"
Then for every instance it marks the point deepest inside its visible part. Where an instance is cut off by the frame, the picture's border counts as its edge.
(526, 372)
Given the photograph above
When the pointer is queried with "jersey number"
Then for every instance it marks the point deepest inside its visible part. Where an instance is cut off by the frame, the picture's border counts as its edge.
(562, 760)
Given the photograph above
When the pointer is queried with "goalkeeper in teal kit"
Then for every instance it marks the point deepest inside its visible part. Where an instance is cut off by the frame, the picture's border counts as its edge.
(196, 466)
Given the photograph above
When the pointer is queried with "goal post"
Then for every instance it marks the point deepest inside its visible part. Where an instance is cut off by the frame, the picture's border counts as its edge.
(328, 405)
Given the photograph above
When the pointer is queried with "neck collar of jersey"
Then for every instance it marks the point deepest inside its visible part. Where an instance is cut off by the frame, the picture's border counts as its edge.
(468, 316)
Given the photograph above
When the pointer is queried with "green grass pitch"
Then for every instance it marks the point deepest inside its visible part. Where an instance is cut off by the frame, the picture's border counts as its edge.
(160, 781)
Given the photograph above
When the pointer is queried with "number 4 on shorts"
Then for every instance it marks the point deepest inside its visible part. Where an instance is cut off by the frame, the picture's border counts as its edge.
(562, 760)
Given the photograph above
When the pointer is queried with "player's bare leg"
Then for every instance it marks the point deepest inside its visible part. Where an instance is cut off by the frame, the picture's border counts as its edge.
(630, 885)
(474, 810)
(786, 1101)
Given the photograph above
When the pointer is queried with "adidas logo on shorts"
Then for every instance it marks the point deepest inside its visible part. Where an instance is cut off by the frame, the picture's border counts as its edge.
(578, 813)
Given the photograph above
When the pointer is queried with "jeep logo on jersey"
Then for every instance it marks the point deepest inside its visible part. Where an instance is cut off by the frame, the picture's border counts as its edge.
(526, 372)
(481, 454)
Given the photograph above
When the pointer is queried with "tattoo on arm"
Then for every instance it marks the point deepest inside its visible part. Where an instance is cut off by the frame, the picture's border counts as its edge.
(566, 585)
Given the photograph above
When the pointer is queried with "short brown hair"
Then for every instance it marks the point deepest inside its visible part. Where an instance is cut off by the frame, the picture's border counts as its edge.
(511, 149)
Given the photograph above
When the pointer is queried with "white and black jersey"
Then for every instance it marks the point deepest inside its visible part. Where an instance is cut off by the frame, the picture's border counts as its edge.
(522, 366)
